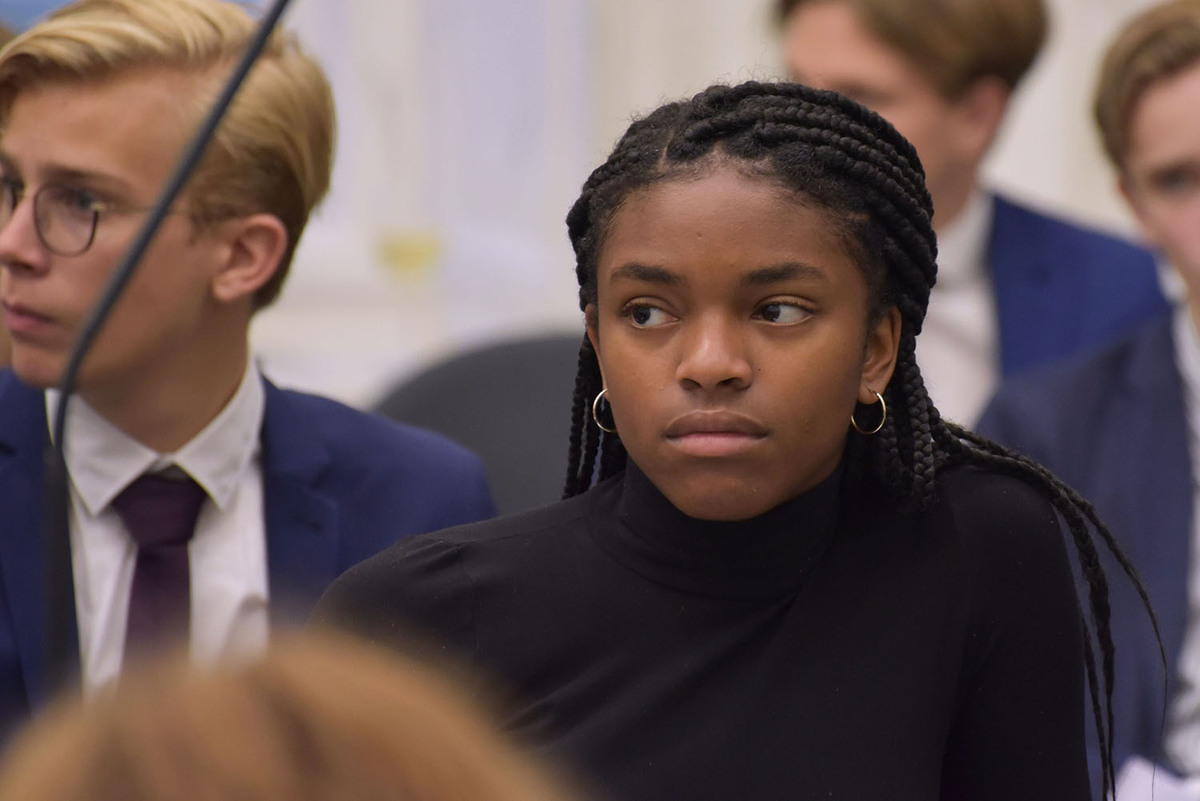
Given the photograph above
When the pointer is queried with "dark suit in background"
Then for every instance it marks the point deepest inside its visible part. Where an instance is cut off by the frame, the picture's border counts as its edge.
(1113, 427)
(338, 485)
(1062, 290)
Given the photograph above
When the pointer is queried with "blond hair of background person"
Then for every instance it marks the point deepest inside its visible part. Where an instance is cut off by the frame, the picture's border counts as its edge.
(1016, 288)
(97, 102)
(315, 719)
(1123, 427)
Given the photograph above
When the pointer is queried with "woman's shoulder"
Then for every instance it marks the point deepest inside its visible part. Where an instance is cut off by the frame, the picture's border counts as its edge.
(1005, 522)
(977, 493)
(423, 552)
(437, 569)
(979, 522)
(542, 521)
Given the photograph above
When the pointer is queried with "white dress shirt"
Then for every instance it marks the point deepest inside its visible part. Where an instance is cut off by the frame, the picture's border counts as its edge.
(958, 349)
(1182, 743)
(227, 554)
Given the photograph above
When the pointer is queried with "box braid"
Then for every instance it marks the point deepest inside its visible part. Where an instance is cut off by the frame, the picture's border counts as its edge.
(847, 160)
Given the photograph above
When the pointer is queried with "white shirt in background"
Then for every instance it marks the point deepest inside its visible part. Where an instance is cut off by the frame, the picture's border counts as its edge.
(959, 345)
(227, 554)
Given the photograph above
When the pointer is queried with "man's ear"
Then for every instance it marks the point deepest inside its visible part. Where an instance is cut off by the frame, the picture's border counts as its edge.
(979, 112)
(1125, 187)
(879, 357)
(256, 245)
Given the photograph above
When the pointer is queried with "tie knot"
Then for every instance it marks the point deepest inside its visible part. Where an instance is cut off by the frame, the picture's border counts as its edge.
(160, 511)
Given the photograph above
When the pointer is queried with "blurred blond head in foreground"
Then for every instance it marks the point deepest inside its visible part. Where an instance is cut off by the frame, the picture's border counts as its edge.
(314, 720)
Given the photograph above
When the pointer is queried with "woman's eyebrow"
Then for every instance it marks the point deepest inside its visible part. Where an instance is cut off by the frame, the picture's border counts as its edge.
(636, 271)
(783, 272)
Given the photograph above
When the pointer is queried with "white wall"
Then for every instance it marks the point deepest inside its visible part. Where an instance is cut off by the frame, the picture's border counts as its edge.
(464, 136)
(468, 126)
(1049, 151)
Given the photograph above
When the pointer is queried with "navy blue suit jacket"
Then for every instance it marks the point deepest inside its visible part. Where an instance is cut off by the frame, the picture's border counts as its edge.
(1113, 427)
(339, 486)
(1063, 290)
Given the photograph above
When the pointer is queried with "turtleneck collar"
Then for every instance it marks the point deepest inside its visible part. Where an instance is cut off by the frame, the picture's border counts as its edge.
(763, 557)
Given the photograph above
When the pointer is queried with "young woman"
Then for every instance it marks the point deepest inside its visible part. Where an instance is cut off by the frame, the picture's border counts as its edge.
(792, 579)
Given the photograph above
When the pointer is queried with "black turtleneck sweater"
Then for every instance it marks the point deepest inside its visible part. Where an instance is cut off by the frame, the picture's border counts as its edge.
(832, 648)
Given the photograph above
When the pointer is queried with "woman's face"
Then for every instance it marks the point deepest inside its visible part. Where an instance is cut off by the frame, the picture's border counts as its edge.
(731, 329)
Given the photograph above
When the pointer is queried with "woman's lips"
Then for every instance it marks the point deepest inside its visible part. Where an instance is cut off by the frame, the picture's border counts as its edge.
(714, 433)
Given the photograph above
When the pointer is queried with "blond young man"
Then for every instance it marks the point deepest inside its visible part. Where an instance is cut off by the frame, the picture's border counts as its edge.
(1016, 289)
(1123, 427)
(96, 104)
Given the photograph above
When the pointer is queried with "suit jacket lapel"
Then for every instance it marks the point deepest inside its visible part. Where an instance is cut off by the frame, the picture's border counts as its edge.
(1028, 293)
(23, 439)
(1143, 487)
(301, 520)
(1156, 485)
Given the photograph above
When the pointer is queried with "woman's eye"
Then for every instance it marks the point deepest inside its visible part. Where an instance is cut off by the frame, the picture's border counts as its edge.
(647, 316)
(783, 313)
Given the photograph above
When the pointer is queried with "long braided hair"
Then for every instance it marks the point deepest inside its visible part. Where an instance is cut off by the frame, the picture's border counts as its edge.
(849, 161)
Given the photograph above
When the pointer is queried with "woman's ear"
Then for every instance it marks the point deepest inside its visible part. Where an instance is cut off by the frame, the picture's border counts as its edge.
(256, 245)
(593, 335)
(879, 356)
(589, 319)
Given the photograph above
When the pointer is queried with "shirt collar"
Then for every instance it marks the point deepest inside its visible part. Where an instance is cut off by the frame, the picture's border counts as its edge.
(1187, 350)
(962, 246)
(102, 460)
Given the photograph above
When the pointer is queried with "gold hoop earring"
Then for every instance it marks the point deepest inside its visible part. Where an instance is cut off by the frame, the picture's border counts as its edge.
(596, 413)
(882, 418)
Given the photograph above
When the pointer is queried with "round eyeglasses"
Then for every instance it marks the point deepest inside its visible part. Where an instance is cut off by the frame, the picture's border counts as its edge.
(64, 217)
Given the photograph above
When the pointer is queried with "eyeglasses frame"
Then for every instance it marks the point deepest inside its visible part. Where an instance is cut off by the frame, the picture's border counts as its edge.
(18, 192)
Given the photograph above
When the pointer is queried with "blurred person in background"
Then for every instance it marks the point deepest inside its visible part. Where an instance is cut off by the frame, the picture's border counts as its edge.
(1016, 288)
(206, 504)
(5, 355)
(311, 720)
(1123, 426)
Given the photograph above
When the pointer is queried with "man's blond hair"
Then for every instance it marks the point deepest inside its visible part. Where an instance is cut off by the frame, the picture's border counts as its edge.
(1155, 45)
(953, 42)
(274, 150)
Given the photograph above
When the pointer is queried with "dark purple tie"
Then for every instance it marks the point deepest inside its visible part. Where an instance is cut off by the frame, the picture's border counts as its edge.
(160, 514)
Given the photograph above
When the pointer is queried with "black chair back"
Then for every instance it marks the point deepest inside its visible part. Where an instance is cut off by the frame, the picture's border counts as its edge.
(510, 403)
